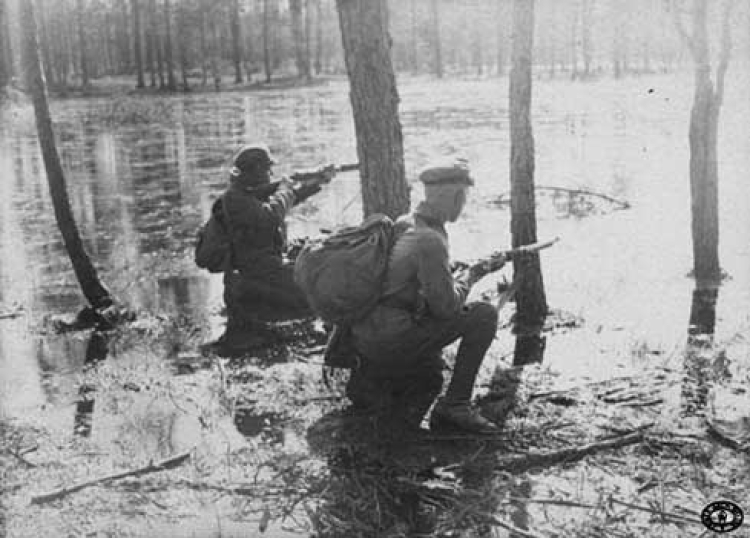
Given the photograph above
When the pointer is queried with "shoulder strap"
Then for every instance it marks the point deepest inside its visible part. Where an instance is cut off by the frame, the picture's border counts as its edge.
(228, 223)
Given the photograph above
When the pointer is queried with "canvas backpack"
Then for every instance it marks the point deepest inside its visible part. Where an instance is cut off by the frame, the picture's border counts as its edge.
(213, 243)
(342, 275)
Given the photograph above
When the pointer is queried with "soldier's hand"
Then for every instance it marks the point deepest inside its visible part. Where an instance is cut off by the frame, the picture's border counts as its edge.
(303, 191)
(327, 173)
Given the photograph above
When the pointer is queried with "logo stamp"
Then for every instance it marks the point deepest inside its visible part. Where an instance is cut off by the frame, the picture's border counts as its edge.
(722, 516)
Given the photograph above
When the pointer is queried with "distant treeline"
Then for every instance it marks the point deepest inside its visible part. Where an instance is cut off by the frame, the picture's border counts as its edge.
(175, 44)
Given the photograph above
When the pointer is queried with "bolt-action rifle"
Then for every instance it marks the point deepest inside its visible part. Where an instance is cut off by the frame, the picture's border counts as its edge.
(321, 176)
(478, 269)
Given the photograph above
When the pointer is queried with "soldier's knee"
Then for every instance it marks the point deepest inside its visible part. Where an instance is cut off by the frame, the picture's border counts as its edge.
(483, 315)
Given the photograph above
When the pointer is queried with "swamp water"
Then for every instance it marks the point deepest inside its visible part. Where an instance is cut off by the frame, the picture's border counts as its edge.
(142, 173)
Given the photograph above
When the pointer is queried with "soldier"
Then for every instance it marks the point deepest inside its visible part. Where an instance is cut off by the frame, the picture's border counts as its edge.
(422, 310)
(260, 287)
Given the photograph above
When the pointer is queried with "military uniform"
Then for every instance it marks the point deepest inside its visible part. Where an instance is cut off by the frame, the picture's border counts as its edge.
(422, 310)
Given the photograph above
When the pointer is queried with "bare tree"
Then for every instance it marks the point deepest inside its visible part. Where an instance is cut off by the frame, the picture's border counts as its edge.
(82, 47)
(437, 45)
(234, 24)
(531, 302)
(94, 291)
(6, 67)
(168, 52)
(301, 56)
(374, 98)
(137, 48)
(703, 134)
(267, 37)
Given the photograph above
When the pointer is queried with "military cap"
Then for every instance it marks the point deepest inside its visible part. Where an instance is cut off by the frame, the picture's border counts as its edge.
(455, 172)
(249, 157)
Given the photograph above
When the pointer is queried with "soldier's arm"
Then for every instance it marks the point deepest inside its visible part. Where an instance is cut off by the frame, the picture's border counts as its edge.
(278, 204)
(443, 294)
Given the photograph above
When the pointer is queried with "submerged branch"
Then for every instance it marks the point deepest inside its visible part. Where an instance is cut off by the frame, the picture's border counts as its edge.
(169, 463)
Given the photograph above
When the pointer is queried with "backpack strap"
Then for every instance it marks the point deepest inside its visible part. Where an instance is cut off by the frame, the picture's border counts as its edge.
(228, 223)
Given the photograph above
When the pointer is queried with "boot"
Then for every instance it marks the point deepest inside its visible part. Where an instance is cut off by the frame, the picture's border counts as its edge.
(460, 416)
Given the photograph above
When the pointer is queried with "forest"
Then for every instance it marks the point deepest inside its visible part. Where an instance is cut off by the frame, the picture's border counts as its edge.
(613, 134)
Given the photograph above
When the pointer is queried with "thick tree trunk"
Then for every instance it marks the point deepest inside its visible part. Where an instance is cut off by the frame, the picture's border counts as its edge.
(704, 172)
(437, 46)
(374, 98)
(96, 294)
(168, 50)
(531, 302)
(82, 47)
(267, 40)
(137, 48)
(234, 22)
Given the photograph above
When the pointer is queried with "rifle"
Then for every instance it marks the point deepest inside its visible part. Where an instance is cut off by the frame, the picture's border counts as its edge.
(318, 175)
(480, 268)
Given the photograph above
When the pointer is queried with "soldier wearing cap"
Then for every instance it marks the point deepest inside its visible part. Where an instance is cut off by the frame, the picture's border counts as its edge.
(424, 309)
(260, 286)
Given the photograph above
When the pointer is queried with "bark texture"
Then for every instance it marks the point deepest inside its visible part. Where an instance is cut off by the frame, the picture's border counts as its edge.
(96, 294)
(531, 302)
(374, 99)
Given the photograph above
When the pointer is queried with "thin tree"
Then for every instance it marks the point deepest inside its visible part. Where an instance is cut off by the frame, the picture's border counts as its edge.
(236, 30)
(6, 67)
(82, 48)
(531, 302)
(156, 41)
(318, 36)
(301, 57)
(137, 47)
(168, 52)
(94, 291)
(374, 99)
(703, 134)
(437, 45)
(184, 44)
(267, 40)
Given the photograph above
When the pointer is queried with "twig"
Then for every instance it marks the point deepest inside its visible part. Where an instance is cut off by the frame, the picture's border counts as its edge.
(169, 463)
(512, 528)
(542, 459)
(559, 502)
(655, 512)
(19, 457)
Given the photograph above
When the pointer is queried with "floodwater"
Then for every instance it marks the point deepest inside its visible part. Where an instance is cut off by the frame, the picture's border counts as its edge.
(142, 173)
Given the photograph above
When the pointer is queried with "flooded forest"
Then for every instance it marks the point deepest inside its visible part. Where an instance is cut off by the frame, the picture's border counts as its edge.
(619, 130)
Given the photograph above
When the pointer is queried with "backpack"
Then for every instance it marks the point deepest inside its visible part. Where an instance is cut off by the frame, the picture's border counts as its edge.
(213, 243)
(342, 275)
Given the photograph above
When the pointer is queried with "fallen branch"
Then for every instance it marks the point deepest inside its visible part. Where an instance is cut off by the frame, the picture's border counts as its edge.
(622, 203)
(169, 463)
(574, 504)
(655, 512)
(512, 528)
(542, 459)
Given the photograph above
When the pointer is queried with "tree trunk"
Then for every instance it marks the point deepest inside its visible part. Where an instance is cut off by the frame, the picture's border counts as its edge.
(124, 40)
(704, 119)
(308, 39)
(234, 23)
(215, 49)
(137, 48)
(83, 53)
(413, 50)
(267, 40)
(374, 98)
(318, 36)
(587, 44)
(96, 294)
(150, 50)
(204, 47)
(531, 302)
(298, 38)
(168, 50)
(437, 46)
(6, 66)
(183, 44)
(501, 37)
(156, 34)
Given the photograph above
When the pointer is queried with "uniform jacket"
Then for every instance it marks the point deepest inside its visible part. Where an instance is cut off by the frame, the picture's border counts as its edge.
(257, 228)
(419, 283)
